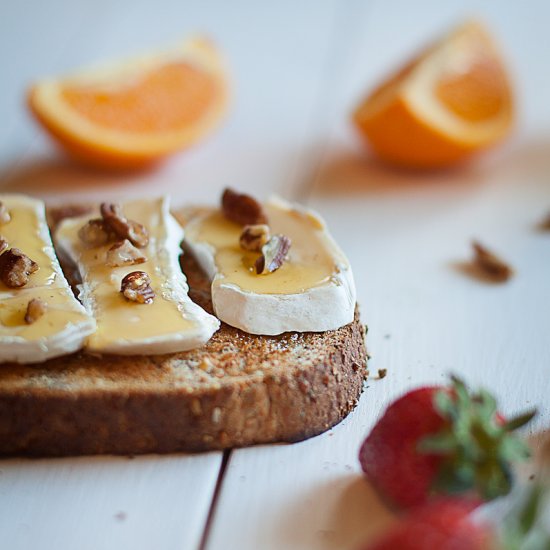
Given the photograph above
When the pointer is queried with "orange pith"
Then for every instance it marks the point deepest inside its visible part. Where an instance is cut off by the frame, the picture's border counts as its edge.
(478, 94)
(446, 104)
(136, 112)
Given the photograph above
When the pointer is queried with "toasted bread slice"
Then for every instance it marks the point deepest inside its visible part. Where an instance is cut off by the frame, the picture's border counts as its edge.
(237, 390)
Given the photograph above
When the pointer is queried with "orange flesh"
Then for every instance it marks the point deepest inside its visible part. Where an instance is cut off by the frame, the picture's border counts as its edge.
(466, 78)
(169, 97)
(477, 95)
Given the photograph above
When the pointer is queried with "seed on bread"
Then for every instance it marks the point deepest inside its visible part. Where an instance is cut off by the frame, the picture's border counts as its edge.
(206, 365)
(216, 415)
(196, 407)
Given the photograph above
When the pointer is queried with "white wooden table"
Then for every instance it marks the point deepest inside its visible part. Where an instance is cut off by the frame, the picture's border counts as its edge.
(298, 68)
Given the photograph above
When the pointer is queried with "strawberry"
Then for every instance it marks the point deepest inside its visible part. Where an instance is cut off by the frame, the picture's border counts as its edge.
(442, 440)
(444, 524)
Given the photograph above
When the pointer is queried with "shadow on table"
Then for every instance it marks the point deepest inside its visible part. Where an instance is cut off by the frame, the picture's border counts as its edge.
(59, 175)
(357, 516)
(346, 513)
(349, 173)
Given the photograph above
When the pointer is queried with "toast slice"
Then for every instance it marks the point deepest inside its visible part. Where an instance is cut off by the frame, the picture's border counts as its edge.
(237, 390)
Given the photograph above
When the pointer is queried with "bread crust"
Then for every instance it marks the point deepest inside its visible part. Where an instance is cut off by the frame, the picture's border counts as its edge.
(237, 390)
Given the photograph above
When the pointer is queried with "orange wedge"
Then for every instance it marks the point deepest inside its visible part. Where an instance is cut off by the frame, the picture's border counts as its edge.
(451, 101)
(133, 113)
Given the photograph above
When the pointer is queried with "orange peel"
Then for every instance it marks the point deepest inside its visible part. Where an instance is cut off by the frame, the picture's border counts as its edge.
(449, 102)
(132, 113)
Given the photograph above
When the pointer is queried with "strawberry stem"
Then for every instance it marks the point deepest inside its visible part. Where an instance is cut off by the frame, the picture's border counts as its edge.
(522, 527)
(476, 446)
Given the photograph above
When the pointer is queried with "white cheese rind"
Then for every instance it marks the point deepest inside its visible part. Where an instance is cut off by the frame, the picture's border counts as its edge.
(18, 350)
(328, 306)
(15, 348)
(166, 251)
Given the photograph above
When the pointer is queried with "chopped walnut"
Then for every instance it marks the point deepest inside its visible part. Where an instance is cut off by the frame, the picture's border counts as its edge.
(491, 264)
(242, 209)
(137, 234)
(3, 244)
(15, 268)
(136, 287)
(124, 253)
(274, 254)
(95, 233)
(35, 309)
(125, 229)
(254, 237)
(4, 214)
(544, 224)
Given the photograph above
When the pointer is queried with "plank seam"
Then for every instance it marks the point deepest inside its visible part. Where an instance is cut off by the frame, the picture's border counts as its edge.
(347, 28)
(214, 501)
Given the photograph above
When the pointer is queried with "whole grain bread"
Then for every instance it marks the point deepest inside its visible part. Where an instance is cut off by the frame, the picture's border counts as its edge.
(237, 390)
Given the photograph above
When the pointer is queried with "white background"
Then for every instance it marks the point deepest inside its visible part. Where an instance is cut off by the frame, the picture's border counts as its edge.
(298, 69)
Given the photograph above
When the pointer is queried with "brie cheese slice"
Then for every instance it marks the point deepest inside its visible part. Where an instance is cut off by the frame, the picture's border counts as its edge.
(65, 324)
(312, 291)
(172, 322)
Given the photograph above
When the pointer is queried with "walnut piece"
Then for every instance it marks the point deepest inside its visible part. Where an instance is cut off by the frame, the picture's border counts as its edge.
(136, 287)
(4, 214)
(124, 253)
(544, 224)
(95, 233)
(15, 268)
(124, 229)
(491, 264)
(113, 225)
(3, 244)
(242, 209)
(274, 254)
(35, 309)
(254, 237)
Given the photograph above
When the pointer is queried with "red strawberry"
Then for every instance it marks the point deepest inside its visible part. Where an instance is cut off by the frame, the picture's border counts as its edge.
(446, 524)
(442, 440)
(442, 525)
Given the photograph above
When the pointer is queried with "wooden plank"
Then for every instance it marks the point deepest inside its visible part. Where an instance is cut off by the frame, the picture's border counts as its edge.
(88, 503)
(276, 77)
(404, 233)
(106, 503)
(34, 40)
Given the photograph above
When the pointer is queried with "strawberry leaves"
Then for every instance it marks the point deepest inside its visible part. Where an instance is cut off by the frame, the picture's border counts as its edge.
(523, 527)
(476, 446)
